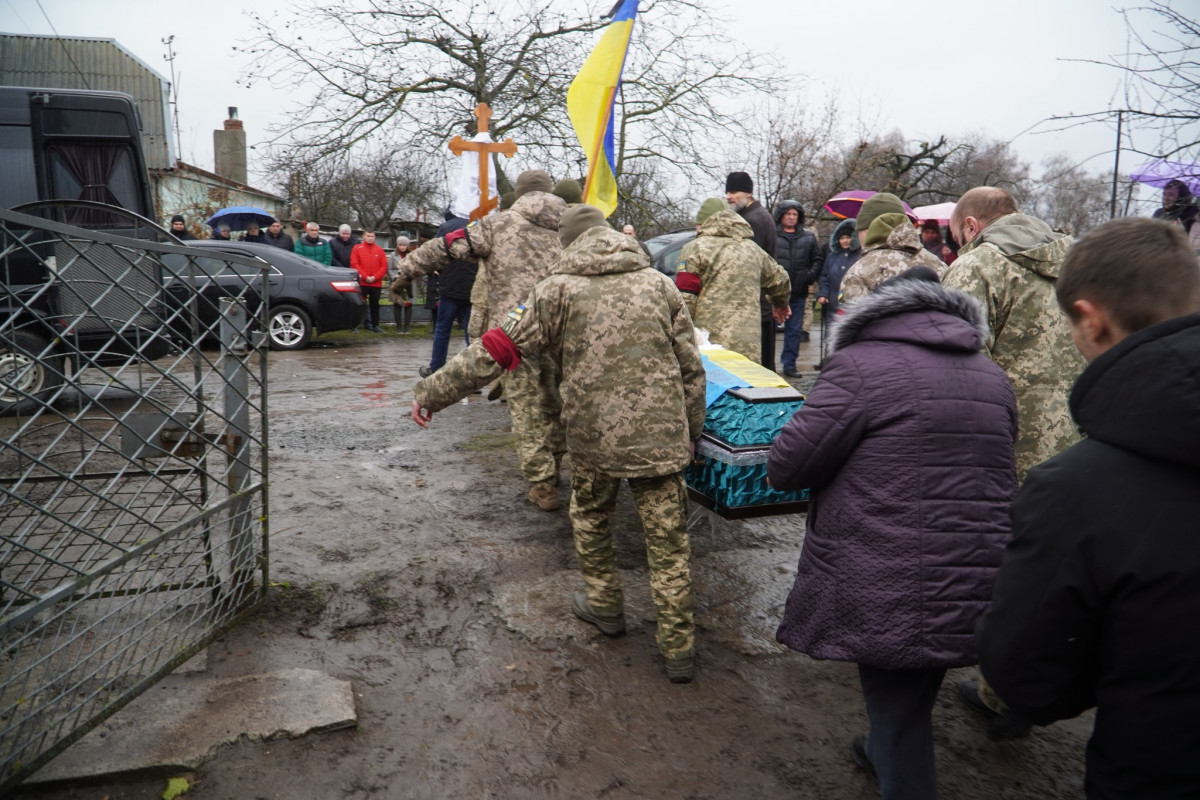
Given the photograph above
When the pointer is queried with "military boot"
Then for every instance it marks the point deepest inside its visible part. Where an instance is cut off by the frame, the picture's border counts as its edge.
(609, 626)
(680, 670)
(544, 495)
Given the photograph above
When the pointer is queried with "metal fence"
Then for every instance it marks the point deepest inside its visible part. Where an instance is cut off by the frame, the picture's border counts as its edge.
(133, 470)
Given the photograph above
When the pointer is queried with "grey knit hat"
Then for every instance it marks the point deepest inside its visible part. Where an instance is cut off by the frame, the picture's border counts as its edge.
(577, 219)
(533, 180)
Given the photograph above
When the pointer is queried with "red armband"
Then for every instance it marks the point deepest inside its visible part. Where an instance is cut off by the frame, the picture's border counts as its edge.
(687, 282)
(453, 236)
(501, 348)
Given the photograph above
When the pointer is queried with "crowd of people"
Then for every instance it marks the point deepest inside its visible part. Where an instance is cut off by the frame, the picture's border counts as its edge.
(1003, 448)
(1002, 443)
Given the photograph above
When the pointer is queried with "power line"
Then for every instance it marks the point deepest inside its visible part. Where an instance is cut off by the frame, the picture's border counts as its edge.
(63, 45)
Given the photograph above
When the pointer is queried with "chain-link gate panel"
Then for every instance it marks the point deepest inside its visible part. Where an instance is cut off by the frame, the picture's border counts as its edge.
(133, 470)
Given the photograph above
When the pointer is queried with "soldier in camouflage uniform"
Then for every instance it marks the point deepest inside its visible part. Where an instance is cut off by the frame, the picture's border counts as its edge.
(722, 273)
(635, 388)
(1010, 263)
(890, 246)
(519, 246)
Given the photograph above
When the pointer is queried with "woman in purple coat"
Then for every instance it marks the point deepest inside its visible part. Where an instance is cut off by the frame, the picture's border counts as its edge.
(906, 441)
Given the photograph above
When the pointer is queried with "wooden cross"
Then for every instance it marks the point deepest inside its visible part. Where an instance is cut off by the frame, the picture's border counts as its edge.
(458, 146)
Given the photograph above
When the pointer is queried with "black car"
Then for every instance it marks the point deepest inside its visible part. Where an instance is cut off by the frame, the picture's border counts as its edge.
(665, 249)
(306, 298)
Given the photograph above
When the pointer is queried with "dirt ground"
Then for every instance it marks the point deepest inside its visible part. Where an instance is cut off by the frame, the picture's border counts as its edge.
(408, 562)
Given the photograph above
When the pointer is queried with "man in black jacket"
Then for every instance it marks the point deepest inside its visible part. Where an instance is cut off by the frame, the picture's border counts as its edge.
(455, 281)
(342, 246)
(798, 253)
(1097, 599)
(739, 193)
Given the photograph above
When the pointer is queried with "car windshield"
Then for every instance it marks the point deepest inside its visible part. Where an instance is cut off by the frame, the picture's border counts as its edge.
(659, 242)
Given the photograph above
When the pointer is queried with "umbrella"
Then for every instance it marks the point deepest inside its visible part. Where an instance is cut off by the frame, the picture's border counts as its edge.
(1161, 172)
(939, 211)
(236, 217)
(847, 204)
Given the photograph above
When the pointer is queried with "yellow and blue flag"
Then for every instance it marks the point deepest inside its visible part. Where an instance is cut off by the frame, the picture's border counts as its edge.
(590, 101)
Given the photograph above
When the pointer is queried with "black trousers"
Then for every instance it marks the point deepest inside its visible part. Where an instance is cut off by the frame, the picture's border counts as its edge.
(900, 742)
(371, 295)
(768, 344)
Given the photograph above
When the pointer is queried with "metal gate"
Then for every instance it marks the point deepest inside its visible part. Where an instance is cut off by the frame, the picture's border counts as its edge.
(133, 470)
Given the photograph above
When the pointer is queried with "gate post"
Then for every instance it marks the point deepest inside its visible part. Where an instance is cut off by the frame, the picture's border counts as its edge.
(234, 348)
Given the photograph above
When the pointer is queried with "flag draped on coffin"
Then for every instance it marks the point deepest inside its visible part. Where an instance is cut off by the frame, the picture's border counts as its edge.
(590, 103)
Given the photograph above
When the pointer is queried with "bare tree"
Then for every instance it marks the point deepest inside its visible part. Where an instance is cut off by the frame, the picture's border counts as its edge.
(1157, 111)
(313, 185)
(388, 185)
(1068, 197)
(979, 161)
(412, 70)
(679, 68)
(650, 203)
(369, 188)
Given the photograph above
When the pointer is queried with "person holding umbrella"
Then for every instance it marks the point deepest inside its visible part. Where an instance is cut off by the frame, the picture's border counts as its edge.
(254, 233)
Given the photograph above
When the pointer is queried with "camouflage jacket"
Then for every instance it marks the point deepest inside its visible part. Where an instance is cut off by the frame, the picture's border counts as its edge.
(632, 380)
(731, 272)
(901, 251)
(1011, 267)
(518, 245)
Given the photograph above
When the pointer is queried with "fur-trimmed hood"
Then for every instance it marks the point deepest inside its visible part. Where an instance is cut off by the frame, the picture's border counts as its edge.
(949, 319)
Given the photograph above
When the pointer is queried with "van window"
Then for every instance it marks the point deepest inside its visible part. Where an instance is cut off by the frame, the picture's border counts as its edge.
(98, 171)
(19, 184)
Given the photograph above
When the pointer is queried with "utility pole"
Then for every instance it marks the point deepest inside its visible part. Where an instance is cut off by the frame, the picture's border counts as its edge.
(1112, 208)
(170, 59)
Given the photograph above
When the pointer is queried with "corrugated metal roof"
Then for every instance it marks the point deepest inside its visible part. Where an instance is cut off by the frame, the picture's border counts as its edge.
(65, 62)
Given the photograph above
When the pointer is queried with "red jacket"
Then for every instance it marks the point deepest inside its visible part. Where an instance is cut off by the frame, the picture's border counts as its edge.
(371, 263)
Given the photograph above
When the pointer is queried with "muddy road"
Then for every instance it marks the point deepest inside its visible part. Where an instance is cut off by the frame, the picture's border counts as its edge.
(408, 562)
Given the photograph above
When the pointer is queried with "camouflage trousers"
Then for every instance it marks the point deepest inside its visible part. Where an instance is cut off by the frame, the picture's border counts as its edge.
(535, 407)
(662, 506)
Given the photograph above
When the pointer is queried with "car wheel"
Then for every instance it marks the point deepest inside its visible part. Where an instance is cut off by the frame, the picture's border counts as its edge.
(289, 328)
(28, 372)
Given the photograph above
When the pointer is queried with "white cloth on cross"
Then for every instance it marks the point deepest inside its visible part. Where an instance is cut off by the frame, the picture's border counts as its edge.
(466, 192)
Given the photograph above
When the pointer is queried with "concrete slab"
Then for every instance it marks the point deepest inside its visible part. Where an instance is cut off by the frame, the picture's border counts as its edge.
(183, 722)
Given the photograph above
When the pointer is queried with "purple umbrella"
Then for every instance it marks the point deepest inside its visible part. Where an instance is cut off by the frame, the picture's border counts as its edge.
(846, 204)
(1161, 172)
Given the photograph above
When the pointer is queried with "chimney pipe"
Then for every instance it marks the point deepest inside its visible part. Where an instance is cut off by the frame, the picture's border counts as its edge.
(229, 149)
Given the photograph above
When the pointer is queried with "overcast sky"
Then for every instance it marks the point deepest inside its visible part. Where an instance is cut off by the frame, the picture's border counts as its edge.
(993, 67)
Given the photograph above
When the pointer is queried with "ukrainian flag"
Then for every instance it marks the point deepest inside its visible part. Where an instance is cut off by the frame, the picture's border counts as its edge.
(590, 103)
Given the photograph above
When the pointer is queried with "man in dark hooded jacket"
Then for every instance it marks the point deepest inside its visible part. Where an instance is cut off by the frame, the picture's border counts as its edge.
(797, 251)
(1095, 602)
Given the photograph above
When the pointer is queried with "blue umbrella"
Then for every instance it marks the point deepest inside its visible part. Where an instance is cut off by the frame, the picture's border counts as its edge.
(236, 217)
